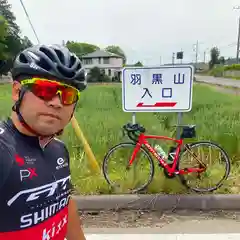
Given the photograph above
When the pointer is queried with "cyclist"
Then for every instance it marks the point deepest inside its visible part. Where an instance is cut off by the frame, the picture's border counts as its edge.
(35, 186)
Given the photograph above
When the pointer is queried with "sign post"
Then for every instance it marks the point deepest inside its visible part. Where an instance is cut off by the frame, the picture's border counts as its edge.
(157, 89)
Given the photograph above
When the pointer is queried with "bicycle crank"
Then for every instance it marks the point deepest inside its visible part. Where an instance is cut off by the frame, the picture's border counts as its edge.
(167, 174)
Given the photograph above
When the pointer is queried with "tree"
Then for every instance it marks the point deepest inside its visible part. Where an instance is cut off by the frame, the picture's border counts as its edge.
(117, 50)
(3, 34)
(94, 74)
(98, 75)
(138, 64)
(26, 43)
(13, 28)
(222, 60)
(11, 42)
(215, 53)
(81, 48)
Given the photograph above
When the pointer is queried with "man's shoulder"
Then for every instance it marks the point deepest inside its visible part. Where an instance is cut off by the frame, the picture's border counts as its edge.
(6, 136)
(59, 144)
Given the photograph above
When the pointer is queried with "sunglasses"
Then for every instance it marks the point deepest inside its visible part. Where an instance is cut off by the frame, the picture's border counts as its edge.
(48, 89)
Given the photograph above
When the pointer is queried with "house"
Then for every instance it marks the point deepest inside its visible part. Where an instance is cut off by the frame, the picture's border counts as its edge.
(110, 63)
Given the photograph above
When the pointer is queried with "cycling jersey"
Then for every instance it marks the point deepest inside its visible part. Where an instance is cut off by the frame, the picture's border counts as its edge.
(34, 186)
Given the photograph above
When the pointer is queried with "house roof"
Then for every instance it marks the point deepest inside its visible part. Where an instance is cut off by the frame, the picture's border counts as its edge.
(100, 53)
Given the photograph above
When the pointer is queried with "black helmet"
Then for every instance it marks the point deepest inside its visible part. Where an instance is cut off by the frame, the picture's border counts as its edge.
(54, 61)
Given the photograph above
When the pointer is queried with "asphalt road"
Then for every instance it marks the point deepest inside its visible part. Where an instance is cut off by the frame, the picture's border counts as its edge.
(192, 226)
(218, 81)
(165, 237)
(218, 229)
(110, 225)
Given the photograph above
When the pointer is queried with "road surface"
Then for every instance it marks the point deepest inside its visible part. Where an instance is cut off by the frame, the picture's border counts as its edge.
(109, 225)
(165, 237)
(220, 81)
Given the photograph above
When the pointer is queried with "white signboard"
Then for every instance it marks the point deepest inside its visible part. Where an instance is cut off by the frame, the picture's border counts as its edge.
(157, 89)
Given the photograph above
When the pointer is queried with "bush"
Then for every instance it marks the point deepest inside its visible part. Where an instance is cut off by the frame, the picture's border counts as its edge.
(217, 71)
(235, 67)
(98, 75)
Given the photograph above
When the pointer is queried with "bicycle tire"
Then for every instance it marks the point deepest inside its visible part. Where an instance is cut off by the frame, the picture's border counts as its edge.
(124, 145)
(227, 167)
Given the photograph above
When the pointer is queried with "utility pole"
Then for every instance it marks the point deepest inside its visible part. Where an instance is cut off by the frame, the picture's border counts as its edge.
(196, 56)
(238, 40)
(238, 35)
(204, 56)
(173, 58)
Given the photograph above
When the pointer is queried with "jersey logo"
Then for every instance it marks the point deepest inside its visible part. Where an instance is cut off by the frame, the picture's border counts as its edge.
(28, 173)
(44, 191)
(19, 160)
(61, 163)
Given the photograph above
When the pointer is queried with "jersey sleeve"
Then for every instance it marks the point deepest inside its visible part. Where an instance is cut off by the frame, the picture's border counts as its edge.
(6, 161)
(68, 159)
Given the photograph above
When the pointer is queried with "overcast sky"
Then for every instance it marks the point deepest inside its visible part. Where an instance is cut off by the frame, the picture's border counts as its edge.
(146, 30)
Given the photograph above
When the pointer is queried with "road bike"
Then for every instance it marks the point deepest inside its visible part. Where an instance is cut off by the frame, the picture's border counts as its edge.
(140, 144)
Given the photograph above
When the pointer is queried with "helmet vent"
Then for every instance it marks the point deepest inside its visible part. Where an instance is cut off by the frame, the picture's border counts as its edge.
(72, 61)
(79, 66)
(48, 53)
(44, 64)
(60, 56)
(65, 73)
(23, 58)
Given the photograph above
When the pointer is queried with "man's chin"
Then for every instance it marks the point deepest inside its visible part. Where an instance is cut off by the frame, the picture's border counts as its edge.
(47, 131)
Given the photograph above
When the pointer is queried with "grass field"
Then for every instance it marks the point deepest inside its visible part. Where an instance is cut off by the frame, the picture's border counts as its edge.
(100, 116)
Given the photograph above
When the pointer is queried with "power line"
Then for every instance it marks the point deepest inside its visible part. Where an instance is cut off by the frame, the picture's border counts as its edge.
(29, 20)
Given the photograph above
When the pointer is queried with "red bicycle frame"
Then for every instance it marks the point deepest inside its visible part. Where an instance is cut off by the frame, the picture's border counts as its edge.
(142, 140)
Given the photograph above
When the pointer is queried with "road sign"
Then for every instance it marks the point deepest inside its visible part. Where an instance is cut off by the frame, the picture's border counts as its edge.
(180, 55)
(157, 89)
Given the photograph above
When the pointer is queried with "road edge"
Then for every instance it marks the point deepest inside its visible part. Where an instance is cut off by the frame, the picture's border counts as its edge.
(158, 202)
(215, 84)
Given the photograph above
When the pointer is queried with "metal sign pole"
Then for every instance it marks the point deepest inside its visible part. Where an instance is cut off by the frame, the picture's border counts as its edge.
(179, 121)
(133, 118)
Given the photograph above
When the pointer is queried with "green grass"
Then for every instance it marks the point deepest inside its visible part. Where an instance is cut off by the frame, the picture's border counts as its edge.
(234, 78)
(100, 116)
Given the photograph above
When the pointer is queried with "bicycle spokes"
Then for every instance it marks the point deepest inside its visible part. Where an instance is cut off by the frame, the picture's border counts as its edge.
(207, 166)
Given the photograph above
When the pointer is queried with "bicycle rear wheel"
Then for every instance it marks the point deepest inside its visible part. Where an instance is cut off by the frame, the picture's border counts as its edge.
(215, 175)
(118, 157)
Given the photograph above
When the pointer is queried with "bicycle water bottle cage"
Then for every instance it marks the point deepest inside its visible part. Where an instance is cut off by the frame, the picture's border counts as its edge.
(188, 131)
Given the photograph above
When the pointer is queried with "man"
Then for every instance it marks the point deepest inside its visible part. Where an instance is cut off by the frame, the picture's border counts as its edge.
(35, 200)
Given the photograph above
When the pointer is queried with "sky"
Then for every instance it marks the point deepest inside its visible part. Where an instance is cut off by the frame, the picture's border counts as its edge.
(147, 31)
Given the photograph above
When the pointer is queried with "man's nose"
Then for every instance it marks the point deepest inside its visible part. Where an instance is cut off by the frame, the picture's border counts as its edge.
(55, 102)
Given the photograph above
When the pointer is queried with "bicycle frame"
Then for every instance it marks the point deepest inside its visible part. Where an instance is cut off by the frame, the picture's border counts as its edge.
(142, 140)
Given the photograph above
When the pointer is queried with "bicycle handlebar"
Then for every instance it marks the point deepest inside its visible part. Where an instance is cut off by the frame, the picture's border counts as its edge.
(182, 126)
(132, 129)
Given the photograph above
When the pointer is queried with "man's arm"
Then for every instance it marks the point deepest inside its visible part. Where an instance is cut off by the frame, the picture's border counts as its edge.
(6, 162)
(74, 231)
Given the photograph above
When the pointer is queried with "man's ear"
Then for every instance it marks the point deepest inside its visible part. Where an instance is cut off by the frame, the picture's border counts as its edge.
(16, 86)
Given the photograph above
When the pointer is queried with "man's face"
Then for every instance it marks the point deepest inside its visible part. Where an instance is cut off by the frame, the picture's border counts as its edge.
(44, 117)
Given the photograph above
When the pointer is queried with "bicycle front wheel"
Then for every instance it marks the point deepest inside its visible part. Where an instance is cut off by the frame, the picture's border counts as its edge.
(213, 157)
(122, 177)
